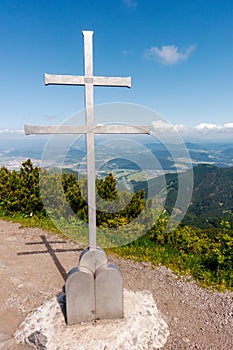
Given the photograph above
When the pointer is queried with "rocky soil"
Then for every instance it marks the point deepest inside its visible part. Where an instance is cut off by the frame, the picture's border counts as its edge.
(33, 267)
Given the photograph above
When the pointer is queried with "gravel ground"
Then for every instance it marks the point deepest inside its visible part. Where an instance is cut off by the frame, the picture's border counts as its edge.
(33, 267)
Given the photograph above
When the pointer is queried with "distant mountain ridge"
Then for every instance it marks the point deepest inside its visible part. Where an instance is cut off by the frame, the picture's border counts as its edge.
(15, 147)
(212, 197)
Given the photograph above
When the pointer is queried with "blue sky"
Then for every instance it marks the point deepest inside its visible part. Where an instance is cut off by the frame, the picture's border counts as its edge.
(178, 52)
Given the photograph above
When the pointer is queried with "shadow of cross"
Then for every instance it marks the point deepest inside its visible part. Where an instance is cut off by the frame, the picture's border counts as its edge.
(50, 250)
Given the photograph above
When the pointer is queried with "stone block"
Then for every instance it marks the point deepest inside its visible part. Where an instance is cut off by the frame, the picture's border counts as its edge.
(80, 296)
(109, 293)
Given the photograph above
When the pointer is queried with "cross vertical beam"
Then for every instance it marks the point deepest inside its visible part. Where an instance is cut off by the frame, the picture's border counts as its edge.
(90, 137)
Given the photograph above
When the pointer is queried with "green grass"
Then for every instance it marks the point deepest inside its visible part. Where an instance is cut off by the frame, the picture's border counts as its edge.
(41, 222)
(182, 264)
(144, 249)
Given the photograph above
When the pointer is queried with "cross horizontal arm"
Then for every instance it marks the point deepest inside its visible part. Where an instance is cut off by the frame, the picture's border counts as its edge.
(99, 129)
(112, 81)
(32, 129)
(53, 79)
(122, 129)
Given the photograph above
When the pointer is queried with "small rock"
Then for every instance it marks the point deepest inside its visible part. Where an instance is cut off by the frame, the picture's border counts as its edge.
(38, 339)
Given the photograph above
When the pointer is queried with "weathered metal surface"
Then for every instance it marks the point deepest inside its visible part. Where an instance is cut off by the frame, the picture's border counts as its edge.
(31, 129)
(98, 129)
(80, 296)
(90, 141)
(122, 129)
(93, 258)
(58, 79)
(52, 79)
(109, 293)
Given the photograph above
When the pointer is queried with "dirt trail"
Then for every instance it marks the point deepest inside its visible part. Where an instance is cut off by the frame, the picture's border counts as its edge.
(33, 267)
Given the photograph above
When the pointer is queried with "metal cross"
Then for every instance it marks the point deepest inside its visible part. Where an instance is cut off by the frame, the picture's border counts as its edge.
(88, 80)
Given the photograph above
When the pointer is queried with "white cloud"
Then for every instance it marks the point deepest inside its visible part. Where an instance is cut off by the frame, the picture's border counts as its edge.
(208, 126)
(11, 131)
(169, 54)
(180, 127)
(130, 3)
(228, 125)
(211, 127)
(161, 126)
(210, 130)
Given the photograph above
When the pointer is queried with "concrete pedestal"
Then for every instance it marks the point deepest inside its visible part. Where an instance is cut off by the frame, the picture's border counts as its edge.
(142, 327)
(94, 290)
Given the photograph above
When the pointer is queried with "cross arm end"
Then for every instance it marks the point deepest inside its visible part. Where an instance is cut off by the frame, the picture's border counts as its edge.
(27, 129)
(128, 80)
(47, 79)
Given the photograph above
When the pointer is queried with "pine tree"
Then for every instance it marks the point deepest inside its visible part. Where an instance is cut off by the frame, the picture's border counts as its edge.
(107, 188)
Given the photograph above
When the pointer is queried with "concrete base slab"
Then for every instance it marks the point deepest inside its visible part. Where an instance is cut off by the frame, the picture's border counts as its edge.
(142, 327)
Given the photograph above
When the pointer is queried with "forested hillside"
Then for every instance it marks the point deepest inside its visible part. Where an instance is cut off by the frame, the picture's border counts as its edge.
(212, 197)
(20, 192)
(205, 253)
